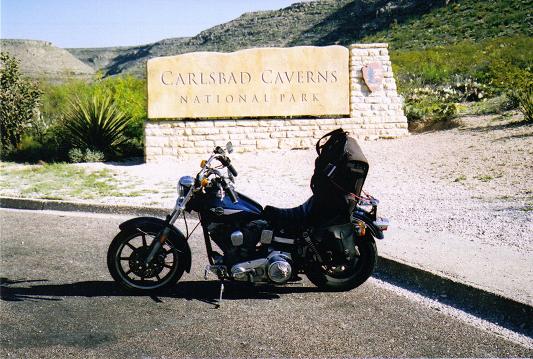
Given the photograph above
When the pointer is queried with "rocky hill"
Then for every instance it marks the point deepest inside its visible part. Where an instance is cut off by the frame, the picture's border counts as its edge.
(42, 60)
(402, 23)
(306, 23)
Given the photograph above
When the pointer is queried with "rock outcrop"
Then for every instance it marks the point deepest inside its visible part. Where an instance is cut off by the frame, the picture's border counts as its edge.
(42, 60)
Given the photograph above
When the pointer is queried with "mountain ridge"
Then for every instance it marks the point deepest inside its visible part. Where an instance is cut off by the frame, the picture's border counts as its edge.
(405, 24)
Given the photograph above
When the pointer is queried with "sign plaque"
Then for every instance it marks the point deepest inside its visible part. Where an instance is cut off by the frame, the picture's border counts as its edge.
(261, 82)
(373, 76)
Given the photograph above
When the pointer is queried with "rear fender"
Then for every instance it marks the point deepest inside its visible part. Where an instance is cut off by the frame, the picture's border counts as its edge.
(155, 225)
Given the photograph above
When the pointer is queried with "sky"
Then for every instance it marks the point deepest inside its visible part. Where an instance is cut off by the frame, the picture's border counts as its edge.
(100, 23)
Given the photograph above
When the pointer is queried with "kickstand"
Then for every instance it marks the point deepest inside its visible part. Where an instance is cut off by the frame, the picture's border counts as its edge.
(219, 303)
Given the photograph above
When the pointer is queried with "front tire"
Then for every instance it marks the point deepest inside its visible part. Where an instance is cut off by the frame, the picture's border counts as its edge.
(349, 275)
(126, 254)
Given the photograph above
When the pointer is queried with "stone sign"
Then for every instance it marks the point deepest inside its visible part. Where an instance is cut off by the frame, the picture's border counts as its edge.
(262, 82)
(373, 76)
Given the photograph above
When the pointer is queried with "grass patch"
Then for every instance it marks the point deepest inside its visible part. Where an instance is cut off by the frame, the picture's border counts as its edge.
(461, 178)
(484, 178)
(61, 180)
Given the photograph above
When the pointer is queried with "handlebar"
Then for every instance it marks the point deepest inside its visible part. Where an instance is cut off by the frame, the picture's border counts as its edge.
(227, 163)
(232, 170)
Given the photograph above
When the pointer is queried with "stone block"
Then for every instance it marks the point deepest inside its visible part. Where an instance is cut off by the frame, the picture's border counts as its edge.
(157, 141)
(267, 144)
(153, 151)
(204, 143)
(278, 134)
(205, 131)
(256, 135)
(225, 123)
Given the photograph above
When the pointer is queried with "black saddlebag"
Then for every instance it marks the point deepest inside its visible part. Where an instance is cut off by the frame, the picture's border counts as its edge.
(340, 168)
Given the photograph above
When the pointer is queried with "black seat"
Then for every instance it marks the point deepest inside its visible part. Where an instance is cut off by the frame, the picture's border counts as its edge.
(293, 218)
(313, 213)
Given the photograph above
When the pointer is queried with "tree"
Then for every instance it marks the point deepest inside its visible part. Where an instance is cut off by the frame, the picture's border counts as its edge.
(19, 101)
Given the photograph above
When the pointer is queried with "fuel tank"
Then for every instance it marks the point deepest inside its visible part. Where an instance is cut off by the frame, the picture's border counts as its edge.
(224, 210)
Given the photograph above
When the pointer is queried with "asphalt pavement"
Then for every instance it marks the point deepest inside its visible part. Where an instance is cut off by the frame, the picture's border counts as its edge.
(58, 300)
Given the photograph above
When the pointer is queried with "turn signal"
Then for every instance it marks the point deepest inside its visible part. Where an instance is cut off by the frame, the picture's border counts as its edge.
(202, 164)
(359, 228)
(205, 182)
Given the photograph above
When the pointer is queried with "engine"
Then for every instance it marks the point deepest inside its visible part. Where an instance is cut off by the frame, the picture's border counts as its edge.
(276, 267)
(246, 260)
(238, 244)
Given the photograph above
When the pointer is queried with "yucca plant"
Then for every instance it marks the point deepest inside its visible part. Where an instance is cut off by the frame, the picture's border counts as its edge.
(96, 124)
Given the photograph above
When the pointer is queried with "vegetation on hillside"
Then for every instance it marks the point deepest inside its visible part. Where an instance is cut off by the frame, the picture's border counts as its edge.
(459, 21)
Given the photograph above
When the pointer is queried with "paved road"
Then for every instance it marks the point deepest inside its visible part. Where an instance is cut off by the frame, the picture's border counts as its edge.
(58, 300)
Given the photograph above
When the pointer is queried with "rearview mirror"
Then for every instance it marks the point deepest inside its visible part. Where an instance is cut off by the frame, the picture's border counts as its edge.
(229, 147)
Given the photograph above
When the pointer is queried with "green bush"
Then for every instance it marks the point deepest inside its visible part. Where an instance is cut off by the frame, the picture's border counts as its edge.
(19, 100)
(93, 156)
(489, 106)
(96, 124)
(428, 108)
(75, 155)
(524, 98)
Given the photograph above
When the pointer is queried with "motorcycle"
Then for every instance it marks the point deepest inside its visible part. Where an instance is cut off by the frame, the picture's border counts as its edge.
(259, 245)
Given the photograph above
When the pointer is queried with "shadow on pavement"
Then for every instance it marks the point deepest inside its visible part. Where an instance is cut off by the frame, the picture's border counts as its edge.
(204, 291)
(480, 303)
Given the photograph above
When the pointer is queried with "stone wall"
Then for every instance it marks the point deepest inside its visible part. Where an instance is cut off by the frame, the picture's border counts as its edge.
(373, 115)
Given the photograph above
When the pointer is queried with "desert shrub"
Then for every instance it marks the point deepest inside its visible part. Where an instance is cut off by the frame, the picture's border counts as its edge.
(96, 124)
(126, 92)
(19, 99)
(428, 108)
(524, 98)
(93, 156)
(130, 96)
(488, 106)
(75, 155)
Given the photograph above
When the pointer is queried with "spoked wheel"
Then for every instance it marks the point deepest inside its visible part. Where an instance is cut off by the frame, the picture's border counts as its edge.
(348, 275)
(126, 260)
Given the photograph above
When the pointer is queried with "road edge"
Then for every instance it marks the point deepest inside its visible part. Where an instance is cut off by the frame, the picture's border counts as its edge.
(506, 312)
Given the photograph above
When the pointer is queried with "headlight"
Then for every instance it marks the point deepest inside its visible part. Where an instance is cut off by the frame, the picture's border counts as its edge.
(184, 185)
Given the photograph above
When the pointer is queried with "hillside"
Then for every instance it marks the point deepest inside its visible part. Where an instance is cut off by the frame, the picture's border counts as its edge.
(41, 59)
(404, 24)
(257, 29)
(462, 20)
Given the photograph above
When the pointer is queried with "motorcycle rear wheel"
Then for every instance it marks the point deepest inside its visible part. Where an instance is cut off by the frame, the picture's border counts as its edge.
(346, 276)
(125, 261)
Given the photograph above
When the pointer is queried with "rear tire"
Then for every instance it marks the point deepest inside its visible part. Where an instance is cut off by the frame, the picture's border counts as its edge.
(348, 275)
(125, 260)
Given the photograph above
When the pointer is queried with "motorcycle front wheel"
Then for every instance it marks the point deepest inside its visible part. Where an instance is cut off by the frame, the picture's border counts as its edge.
(348, 275)
(126, 261)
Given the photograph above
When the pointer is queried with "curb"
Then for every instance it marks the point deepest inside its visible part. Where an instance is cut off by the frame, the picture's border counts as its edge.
(492, 307)
(53, 205)
(505, 312)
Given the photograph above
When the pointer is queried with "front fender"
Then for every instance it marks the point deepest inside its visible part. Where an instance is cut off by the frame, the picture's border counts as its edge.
(154, 224)
(375, 231)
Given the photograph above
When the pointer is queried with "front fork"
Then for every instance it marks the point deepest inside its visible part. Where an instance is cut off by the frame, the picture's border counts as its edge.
(162, 236)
